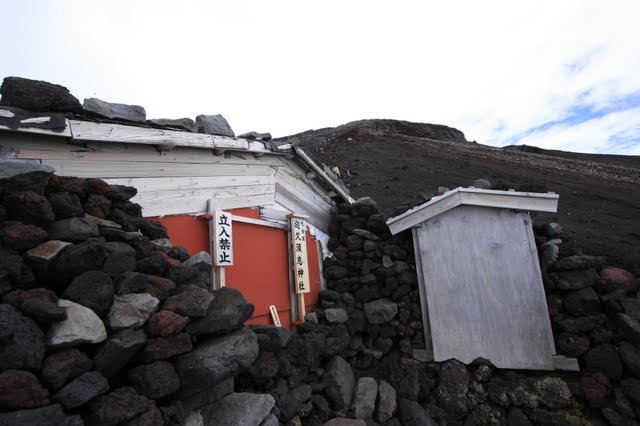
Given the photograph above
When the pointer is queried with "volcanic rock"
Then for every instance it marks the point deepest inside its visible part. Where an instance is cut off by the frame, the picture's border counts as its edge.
(214, 125)
(582, 302)
(79, 258)
(364, 400)
(21, 389)
(228, 312)
(65, 205)
(577, 279)
(37, 95)
(340, 382)
(74, 230)
(155, 380)
(118, 406)
(22, 340)
(238, 409)
(121, 258)
(81, 326)
(159, 287)
(165, 323)
(38, 303)
(113, 110)
(60, 367)
(116, 352)
(29, 208)
(179, 123)
(21, 237)
(161, 348)
(192, 301)
(380, 311)
(619, 279)
(93, 289)
(131, 310)
(81, 390)
(51, 415)
(604, 358)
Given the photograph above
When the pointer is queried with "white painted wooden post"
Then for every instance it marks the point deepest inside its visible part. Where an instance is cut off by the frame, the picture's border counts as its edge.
(300, 263)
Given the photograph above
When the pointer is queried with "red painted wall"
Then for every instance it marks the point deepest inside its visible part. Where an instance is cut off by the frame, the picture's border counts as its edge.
(261, 264)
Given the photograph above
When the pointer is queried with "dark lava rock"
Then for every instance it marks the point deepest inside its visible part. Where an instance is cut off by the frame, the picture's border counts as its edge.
(155, 380)
(340, 382)
(179, 123)
(179, 253)
(452, 390)
(21, 389)
(93, 289)
(130, 282)
(165, 323)
(116, 352)
(581, 324)
(217, 358)
(20, 176)
(582, 302)
(154, 265)
(65, 205)
(517, 418)
(79, 258)
(182, 275)
(73, 185)
(577, 279)
(619, 279)
(161, 348)
(159, 287)
(121, 258)
(13, 272)
(121, 193)
(38, 303)
(21, 237)
(573, 344)
(82, 390)
(411, 413)
(228, 312)
(629, 328)
(278, 335)
(30, 208)
(192, 301)
(60, 367)
(116, 407)
(37, 95)
(380, 311)
(578, 262)
(74, 230)
(631, 307)
(51, 415)
(97, 205)
(264, 368)
(594, 388)
(630, 356)
(113, 110)
(214, 125)
(604, 358)
(22, 340)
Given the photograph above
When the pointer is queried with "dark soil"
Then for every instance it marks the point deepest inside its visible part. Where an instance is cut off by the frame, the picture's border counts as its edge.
(599, 203)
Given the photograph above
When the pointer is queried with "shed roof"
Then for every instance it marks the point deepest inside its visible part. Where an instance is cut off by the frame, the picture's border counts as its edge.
(530, 201)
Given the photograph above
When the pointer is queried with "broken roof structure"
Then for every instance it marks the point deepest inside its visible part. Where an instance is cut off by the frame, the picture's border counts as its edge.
(480, 285)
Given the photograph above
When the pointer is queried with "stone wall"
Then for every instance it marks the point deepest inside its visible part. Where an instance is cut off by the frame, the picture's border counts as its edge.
(103, 321)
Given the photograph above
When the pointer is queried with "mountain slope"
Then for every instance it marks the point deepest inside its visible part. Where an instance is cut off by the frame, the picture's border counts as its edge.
(402, 163)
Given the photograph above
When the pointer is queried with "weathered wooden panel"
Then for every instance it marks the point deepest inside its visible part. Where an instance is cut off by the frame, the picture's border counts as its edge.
(190, 183)
(484, 295)
(423, 212)
(510, 200)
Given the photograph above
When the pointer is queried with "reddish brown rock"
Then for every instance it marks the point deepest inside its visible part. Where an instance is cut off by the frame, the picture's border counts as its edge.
(573, 344)
(170, 260)
(29, 207)
(72, 185)
(97, 206)
(117, 407)
(61, 367)
(594, 388)
(165, 323)
(97, 186)
(21, 389)
(165, 347)
(159, 287)
(341, 252)
(619, 279)
(21, 237)
(38, 303)
(153, 417)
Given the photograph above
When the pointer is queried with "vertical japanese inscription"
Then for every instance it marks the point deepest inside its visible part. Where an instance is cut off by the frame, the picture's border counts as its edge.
(299, 245)
(223, 243)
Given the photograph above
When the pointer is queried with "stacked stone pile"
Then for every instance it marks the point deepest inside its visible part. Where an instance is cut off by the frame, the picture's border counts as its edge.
(595, 313)
(337, 369)
(102, 320)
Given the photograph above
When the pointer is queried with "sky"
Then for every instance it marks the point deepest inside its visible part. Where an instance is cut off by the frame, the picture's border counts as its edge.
(558, 74)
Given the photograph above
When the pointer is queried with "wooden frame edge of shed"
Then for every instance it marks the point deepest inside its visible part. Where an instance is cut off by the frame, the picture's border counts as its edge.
(528, 201)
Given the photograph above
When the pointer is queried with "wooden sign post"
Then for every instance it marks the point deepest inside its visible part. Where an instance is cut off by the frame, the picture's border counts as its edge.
(300, 264)
(221, 243)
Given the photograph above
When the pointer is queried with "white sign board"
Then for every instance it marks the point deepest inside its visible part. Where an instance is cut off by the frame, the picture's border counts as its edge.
(299, 250)
(223, 239)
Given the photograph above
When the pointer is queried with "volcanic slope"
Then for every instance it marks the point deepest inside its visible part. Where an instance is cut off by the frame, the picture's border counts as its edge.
(399, 163)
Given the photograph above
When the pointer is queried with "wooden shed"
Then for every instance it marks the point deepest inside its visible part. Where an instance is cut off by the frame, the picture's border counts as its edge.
(480, 281)
(181, 176)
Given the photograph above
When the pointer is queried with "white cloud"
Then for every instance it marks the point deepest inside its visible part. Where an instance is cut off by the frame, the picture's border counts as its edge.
(493, 69)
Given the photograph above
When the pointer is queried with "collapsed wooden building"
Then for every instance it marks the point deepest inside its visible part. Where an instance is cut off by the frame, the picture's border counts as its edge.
(182, 177)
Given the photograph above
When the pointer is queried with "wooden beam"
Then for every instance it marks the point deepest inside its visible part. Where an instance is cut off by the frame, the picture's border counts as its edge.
(258, 222)
(319, 172)
(64, 133)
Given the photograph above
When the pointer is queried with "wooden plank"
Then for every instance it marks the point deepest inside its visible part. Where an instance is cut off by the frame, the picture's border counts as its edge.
(186, 183)
(422, 290)
(304, 191)
(270, 213)
(125, 169)
(318, 217)
(108, 132)
(483, 294)
(197, 205)
(259, 222)
(563, 363)
(223, 142)
(510, 200)
(319, 172)
(66, 133)
(423, 212)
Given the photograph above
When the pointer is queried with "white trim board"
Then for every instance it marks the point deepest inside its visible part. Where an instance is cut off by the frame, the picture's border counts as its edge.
(529, 201)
